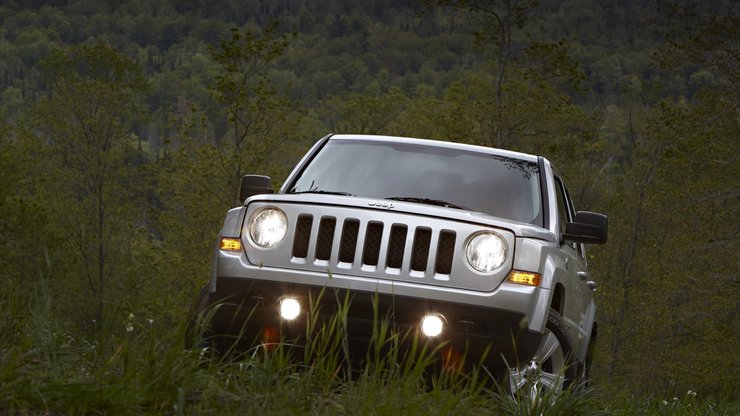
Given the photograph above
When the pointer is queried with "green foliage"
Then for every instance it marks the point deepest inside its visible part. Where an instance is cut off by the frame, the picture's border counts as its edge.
(364, 113)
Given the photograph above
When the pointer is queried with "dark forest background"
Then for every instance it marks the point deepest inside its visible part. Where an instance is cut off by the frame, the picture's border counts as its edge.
(126, 125)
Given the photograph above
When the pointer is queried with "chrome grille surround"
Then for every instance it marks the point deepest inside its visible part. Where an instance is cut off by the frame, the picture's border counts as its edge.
(378, 244)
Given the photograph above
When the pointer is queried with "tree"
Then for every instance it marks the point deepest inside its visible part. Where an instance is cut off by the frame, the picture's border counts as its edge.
(257, 112)
(94, 96)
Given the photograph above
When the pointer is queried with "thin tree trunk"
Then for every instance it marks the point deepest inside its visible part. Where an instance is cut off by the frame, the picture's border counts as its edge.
(628, 279)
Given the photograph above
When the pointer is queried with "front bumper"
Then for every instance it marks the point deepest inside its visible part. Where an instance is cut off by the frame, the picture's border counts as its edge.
(248, 309)
(529, 304)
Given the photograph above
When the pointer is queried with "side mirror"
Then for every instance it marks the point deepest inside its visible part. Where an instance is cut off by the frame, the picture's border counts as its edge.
(588, 228)
(255, 185)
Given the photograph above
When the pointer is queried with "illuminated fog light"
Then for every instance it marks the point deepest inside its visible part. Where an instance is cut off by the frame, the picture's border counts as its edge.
(268, 227)
(289, 308)
(486, 252)
(432, 325)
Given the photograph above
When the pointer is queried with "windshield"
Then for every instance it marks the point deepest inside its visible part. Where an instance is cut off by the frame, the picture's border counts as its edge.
(492, 184)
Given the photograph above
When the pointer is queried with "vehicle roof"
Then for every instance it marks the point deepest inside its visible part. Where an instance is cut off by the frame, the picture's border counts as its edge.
(436, 143)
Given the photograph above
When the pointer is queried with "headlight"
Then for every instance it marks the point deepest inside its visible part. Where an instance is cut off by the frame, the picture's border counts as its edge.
(486, 252)
(268, 227)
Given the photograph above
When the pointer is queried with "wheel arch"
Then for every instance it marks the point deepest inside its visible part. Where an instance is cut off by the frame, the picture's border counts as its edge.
(558, 298)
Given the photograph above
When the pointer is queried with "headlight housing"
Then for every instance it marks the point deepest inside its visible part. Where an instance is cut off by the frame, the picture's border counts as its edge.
(267, 227)
(486, 252)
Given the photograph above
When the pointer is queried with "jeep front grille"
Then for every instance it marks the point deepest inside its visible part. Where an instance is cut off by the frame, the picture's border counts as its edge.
(369, 243)
(356, 245)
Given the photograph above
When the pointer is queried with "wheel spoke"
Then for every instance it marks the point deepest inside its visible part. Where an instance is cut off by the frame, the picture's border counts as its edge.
(517, 380)
(553, 382)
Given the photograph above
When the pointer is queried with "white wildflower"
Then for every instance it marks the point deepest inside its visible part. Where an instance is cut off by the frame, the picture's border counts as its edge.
(130, 328)
(150, 321)
(664, 403)
(131, 316)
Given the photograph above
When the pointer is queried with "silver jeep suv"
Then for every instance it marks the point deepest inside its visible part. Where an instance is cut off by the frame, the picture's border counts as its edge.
(475, 247)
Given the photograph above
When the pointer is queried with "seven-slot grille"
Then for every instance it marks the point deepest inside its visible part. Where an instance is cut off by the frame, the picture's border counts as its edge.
(350, 244)
(373, 244)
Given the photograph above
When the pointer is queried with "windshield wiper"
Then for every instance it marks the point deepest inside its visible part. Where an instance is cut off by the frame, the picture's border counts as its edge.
(320, 191)
(428, 201)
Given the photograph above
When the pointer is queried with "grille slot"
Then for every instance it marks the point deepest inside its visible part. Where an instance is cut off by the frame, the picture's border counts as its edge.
(420, 251)
(348, 243)
(325, 238)
(396, 246)
(302, 236)
(445, 252)
(373, 238)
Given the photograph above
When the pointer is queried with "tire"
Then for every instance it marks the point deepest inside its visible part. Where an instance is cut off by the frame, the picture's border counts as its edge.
(552, 367)
(585, 380)
(196, 332)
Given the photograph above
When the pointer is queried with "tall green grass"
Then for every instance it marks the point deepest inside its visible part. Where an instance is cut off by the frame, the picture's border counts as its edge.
(134, 368)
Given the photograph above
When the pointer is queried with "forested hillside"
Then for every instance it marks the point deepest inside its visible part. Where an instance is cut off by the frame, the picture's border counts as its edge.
(125, 127)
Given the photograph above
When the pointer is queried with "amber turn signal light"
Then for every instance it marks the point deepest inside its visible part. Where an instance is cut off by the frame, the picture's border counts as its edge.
(525, 278)
(231, 244)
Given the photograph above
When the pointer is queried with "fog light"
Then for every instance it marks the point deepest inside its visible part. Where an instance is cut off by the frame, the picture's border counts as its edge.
(289, 308)
(432, 325)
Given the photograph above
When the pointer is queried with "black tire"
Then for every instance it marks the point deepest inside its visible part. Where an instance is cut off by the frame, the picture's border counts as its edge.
(196, 332)
(585, 380)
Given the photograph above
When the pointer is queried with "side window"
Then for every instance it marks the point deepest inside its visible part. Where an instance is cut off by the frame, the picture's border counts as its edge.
(565, 210)
(563, 216)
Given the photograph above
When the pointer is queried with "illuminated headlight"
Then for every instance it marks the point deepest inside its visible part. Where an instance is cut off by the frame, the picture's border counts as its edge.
(486, 252)
(289, 308)
(268, 227)
(432, 325)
